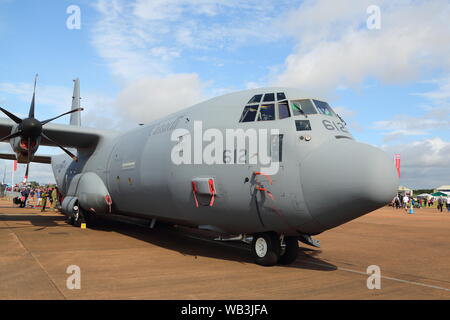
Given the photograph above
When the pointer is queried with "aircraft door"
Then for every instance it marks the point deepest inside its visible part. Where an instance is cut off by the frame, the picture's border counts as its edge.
(114, 169)
(267, 184)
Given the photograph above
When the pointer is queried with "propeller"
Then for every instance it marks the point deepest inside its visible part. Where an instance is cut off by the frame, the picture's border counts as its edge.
(30, 129)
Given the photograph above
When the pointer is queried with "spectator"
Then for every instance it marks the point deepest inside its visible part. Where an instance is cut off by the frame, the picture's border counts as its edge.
(25, 193)
(440, 204)
(54, 198)
(405, 201)
(32, 196)
(38, 197)
(44, 196)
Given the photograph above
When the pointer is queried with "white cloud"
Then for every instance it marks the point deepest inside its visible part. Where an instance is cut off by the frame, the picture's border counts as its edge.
(349, 116)
(128, 30)
(425, 163)
(336, 49)
(408, 123)
(52, 100)
(58, 97)
(442, 92)
(436, 116)
(403, 125)
(154, 97)
(140, 41)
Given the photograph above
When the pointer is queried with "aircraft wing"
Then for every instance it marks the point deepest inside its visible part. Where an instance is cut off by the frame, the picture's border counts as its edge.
(68, 136)
(36, 158)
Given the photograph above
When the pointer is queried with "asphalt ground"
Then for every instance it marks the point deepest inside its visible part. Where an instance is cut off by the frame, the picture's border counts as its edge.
(127, 260)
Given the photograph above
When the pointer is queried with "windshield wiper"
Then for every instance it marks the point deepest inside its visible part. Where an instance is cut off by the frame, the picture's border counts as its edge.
(300, 110)
(343, 121)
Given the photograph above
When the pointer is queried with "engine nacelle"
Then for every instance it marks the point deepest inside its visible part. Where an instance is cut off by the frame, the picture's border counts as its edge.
(21, 147)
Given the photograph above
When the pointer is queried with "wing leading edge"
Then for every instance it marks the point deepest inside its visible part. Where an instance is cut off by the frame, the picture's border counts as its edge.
(69, 136)
(36, 158)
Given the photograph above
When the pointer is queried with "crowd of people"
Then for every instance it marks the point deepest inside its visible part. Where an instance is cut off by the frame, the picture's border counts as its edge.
(41, 197)
(405, 202)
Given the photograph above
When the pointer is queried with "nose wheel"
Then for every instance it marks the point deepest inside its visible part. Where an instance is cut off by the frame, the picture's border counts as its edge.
(289, 250)
(268, 249)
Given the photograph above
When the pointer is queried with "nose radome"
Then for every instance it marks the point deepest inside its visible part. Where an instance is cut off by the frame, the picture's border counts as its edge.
(346, 179)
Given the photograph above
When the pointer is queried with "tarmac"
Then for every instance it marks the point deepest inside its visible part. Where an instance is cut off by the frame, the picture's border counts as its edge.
(130, 261)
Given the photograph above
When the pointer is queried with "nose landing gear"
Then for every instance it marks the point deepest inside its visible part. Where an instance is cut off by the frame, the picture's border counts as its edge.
(268, 249)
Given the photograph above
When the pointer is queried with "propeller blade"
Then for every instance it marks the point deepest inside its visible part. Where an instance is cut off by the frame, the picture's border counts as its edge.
(61, 115)
(31, 114)
(62, 148)
(13, 117)
(29, 160)
(13, 135)
(26, 173)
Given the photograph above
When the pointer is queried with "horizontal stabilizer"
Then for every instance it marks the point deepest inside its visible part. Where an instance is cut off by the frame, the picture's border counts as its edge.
(36, 158)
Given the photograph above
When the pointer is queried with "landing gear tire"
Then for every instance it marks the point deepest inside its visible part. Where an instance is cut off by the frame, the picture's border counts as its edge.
(290, 252)
(91, 219)
(266, 249)
(75, 218)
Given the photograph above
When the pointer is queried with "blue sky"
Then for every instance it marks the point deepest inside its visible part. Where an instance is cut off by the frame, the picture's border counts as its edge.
(392, 85)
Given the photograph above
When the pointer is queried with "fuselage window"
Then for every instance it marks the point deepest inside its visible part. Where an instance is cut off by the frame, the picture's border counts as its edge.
(266, 112)
(303, 106)
(283, 110)
(281, 96)
(256, 99)
(324, 108)
(303, 125)
(249, 113)
(276, 147)
(268, 97)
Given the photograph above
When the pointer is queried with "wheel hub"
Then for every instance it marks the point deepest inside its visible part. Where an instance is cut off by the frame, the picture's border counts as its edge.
(261, 247)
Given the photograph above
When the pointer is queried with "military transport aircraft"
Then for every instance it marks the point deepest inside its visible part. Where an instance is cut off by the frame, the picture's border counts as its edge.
(323, 177)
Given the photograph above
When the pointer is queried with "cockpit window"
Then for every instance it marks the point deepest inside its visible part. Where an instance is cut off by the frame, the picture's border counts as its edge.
(268, 97)
(281, 96)
(266, 112)
(266, 107)
(304, 105)
(283, 110)
(249, 113)
(303, 125)
(256, 99)
(324, 108)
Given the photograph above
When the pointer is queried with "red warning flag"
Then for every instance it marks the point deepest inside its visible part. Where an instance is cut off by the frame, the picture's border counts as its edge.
(397, 164)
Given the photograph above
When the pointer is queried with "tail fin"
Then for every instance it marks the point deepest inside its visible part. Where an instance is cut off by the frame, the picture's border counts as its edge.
(75, 118)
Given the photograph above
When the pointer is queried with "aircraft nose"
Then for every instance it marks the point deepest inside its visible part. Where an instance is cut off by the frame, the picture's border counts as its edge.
(346, 179)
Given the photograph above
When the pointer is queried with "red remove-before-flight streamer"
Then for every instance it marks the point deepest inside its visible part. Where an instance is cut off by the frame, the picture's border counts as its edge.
(397, 164)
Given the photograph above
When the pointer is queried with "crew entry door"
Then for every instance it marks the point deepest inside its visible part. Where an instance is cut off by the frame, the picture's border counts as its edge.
(266, 180)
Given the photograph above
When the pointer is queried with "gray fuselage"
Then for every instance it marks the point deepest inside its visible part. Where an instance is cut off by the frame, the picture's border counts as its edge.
(325, 177)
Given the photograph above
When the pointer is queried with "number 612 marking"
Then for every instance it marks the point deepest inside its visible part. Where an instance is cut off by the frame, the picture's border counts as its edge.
(331, 125)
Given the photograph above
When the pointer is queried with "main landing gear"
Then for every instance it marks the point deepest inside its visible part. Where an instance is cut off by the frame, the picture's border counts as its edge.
(75, 218)
(79, 216)
(268, 249)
